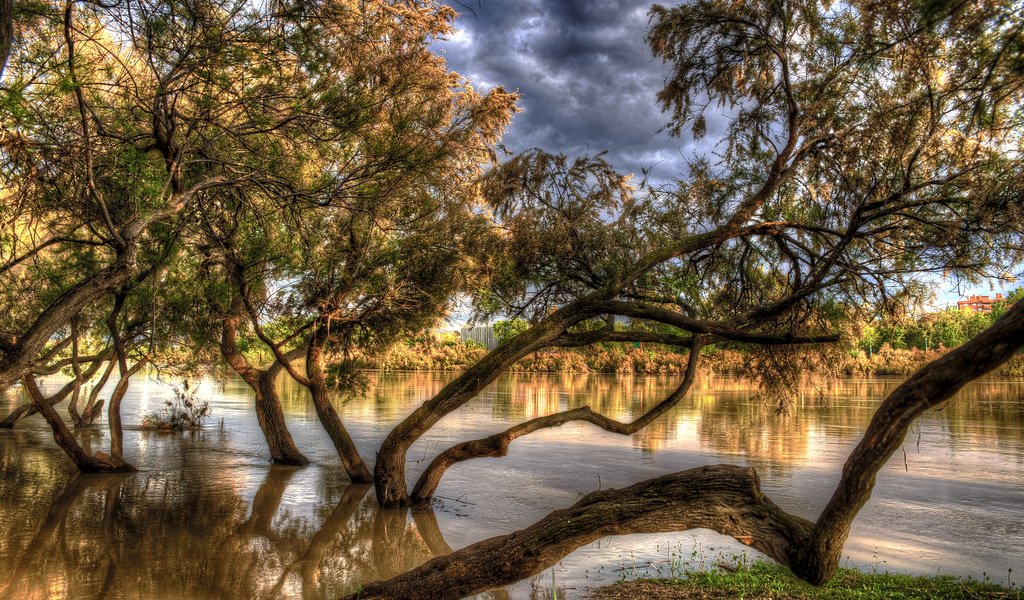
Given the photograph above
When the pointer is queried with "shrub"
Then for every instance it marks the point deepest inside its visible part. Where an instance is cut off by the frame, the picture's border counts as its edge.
(183, 412)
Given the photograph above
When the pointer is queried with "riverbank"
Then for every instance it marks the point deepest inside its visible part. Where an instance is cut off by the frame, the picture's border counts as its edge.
(766, 581)
(451, 354)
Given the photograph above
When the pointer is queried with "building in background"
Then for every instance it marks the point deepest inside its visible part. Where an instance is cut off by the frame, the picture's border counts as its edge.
(981, 304)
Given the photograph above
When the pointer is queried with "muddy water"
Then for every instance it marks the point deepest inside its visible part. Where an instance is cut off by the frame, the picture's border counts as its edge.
(208, 517)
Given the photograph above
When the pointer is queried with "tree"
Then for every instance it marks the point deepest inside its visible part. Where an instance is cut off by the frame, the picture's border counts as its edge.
(1000, 308)
(865, 146)
(723, 498)
(373, 244)
(154, 125)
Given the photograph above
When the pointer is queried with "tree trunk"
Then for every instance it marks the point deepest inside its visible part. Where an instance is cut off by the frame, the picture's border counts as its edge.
(723, 498)
(114, 409)
(93, 408)
(27, 410)
(929, 387)
(6, 32)
(76, 419)
(98, 463)
(389, 472)
(497, 444)
(268, 404)
(18, 360)
(271, 418)
(317, 384)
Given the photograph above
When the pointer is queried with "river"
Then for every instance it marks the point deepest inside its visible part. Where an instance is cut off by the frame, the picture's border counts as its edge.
(207, 516)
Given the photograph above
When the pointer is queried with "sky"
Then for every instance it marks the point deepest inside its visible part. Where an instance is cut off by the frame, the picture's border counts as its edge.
(587, 82)
(586, 76)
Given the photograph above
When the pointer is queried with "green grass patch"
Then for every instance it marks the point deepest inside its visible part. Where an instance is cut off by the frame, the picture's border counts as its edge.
(763, 581)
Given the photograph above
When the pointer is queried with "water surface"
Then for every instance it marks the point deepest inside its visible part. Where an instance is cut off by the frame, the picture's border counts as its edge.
(208, 517)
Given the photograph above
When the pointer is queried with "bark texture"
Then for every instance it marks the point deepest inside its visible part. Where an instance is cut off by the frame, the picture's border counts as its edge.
(316, 381)
(114, 409)
(389, 470)
(271, 418)
(97, 463)
(6, 32)
(268, 405)
(27, 410)
(18, 360)
(932, 385)
(723, 498)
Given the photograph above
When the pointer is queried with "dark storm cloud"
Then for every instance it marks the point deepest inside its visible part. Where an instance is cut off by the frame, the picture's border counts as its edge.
(586, 76)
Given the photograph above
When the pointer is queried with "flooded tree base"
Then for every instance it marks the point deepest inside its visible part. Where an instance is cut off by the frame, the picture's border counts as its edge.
(722, 498)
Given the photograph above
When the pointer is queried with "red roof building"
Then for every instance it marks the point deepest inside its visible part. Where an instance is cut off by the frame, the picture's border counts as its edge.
(982, 304)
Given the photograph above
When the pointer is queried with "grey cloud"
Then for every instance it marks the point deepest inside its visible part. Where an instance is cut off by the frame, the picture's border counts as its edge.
(586, 76)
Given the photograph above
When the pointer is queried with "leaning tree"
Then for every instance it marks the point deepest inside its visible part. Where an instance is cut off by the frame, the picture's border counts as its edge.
(365, 224)
(867, 147)
(320, 149)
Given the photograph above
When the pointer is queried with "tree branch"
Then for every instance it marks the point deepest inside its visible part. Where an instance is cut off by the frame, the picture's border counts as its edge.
(497, 444)
(650, 312)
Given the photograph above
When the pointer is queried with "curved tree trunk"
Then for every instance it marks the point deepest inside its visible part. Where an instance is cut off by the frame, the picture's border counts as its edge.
(98, 463)
(497, 444)
(317, 384)
(271, 418)
(723, 498)
(18, 360)
(268, 404)
(27, 410)
(76, 419)
(94, 407)
(929, 387)
(389, 472)
(114, 409)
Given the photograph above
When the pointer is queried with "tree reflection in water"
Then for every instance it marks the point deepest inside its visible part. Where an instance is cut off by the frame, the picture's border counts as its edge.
(205, 518)
(142, 535)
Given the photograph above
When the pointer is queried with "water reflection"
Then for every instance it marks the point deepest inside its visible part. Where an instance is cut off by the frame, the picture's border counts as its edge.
(208, 517)
(114, 536)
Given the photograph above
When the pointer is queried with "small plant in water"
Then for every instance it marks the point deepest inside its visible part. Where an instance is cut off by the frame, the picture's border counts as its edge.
(182, 412)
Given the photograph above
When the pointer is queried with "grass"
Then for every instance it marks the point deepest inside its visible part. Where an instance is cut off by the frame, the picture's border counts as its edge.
(768, 581)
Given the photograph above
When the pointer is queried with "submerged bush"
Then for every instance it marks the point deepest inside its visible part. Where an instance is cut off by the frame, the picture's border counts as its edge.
(182, 412)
